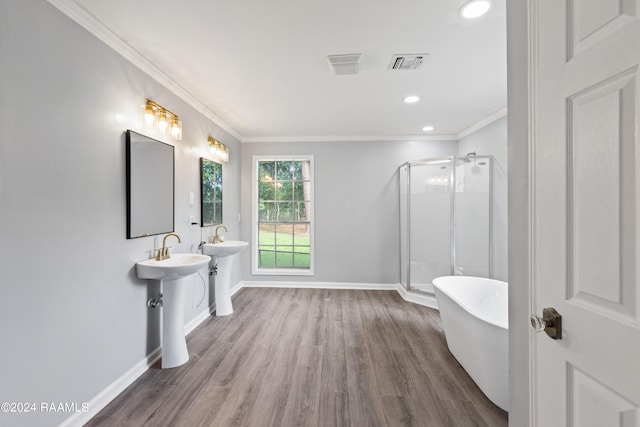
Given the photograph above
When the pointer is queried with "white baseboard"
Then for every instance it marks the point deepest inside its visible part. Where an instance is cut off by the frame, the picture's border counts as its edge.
(426, 300)
(320, 285)
(236, 288)
(118, 386)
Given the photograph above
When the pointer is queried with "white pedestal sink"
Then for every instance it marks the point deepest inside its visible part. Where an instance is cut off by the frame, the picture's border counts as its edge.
(174, 274)
(222, 253)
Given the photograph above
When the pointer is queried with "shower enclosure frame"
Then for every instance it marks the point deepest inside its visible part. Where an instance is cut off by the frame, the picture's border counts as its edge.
(451, 160)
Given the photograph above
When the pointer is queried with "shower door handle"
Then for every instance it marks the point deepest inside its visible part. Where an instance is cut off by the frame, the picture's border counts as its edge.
(550, 322)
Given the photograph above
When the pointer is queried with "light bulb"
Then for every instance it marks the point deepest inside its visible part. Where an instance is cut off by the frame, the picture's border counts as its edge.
(411, 99)
(162, 122)
(149, 115)
(176, 130)
(428, 128)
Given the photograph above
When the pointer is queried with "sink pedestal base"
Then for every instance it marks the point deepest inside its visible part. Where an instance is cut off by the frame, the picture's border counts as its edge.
(223, 286)
(174, 343)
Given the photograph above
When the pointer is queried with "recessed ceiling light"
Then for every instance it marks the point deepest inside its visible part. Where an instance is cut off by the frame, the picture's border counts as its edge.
(475, 8)
(428, 128)
(412, 99)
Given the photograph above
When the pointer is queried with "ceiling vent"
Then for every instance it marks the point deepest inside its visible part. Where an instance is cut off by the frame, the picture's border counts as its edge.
(407, 62)
(344, 64)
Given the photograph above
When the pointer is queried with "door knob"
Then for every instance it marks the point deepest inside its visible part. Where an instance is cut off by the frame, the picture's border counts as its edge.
(550, 322)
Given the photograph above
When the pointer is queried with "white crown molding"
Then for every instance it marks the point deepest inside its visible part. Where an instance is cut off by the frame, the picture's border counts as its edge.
(90, 23)
(349, 138)
(482, 123)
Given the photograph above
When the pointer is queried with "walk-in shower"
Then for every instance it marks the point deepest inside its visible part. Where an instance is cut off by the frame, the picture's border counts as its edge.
(445, 219)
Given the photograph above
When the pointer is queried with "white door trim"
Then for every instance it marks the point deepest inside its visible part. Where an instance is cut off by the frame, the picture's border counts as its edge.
(522, 71)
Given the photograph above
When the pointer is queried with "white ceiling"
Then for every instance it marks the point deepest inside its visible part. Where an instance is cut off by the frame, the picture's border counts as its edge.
(261, 65)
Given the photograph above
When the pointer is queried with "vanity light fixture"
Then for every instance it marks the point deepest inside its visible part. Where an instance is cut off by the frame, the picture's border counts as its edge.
(218, 149)
(411, 99)
(475, 8)
(166, 121)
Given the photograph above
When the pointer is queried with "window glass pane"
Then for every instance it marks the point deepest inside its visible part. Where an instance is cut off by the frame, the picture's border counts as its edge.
(266, 171)
(302, 191)
(266, 211)
(305, 170)
(284, 190)
(267, 256)
(302, 236)
(285, 211)
(284, 256)
(302, 260)
(297, 170)
(284, 235)
(300, 212)
(267, 234)
(266, 190)
(284, 171)
(298, 191)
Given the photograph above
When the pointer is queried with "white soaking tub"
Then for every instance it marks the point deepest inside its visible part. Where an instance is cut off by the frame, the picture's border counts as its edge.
(475, 318)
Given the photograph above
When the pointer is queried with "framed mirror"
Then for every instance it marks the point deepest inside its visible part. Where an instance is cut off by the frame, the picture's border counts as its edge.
(210, 192)
(150, 186)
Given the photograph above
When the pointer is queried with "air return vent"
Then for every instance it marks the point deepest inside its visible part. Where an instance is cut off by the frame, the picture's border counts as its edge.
(344, 64)
(407, 62)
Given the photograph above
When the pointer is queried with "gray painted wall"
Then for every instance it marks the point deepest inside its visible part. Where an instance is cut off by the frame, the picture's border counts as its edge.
(356, 206)
(492, 139)
(356, 202)
(73, 316)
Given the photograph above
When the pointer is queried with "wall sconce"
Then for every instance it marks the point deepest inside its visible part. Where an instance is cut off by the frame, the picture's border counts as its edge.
(219, 150)
(166, 121)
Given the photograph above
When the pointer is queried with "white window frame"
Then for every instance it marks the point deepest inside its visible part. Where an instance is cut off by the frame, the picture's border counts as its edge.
(255, 269)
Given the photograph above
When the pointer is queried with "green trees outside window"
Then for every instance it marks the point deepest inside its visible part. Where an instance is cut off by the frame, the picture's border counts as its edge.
(284, 214)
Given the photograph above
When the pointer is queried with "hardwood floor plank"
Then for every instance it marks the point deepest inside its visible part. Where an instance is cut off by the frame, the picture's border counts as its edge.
(334, 410)
(304, 397)
(310, 357)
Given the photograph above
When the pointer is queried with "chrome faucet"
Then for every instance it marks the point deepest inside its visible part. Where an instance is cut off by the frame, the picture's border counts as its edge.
(218, 238)
(164, 252)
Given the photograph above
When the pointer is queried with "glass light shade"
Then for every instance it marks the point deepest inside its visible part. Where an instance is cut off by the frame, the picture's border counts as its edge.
(162, 121)
(475, 9)
(218, 150)
(149, 115)
(176, 129)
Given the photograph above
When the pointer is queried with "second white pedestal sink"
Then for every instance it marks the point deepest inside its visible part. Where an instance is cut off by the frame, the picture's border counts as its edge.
(223, 256)
(174, 274)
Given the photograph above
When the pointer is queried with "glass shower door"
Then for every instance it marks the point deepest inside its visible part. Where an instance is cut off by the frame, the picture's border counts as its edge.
(430, 222)
(473, 217)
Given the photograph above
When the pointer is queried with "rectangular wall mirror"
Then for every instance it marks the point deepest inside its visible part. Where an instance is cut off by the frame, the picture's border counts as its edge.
(210, 192)
(150, 186)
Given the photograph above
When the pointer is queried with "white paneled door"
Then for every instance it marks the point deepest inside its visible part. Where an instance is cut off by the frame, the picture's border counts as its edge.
(585, 176)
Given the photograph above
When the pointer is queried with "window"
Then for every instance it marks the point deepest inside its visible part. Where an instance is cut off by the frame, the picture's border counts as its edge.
(283, 215)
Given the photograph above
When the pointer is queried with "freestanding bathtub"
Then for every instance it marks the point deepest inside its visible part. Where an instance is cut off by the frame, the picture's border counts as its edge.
(475, 319)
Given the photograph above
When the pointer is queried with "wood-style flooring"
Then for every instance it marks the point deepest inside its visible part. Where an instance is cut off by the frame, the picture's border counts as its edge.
(310, 357)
